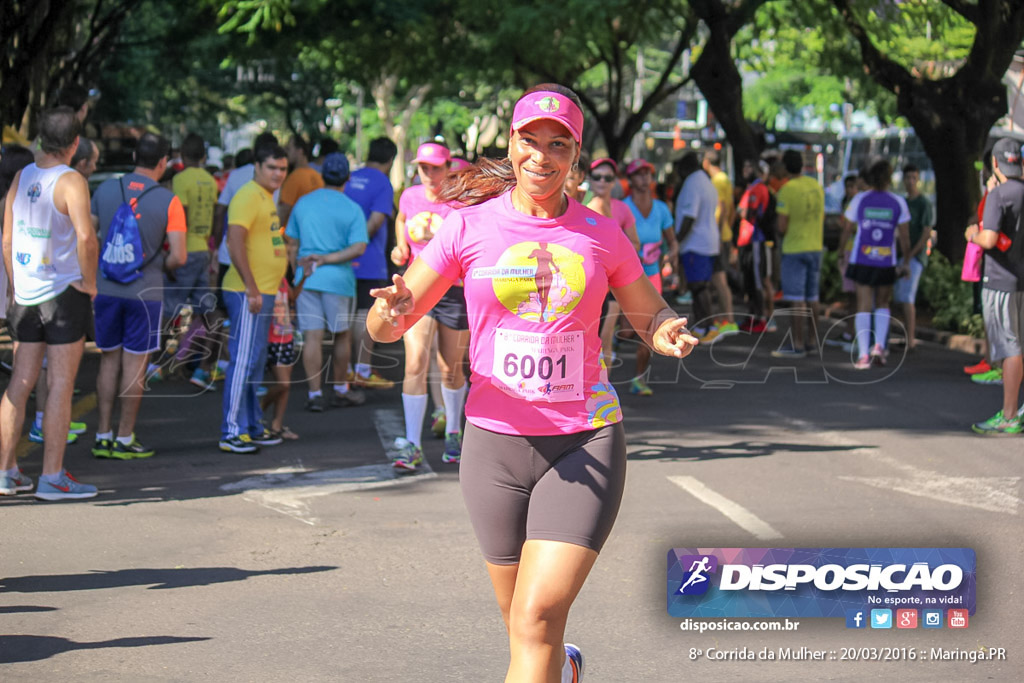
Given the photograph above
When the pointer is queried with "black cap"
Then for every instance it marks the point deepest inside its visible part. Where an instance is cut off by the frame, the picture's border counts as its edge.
(1007, 153)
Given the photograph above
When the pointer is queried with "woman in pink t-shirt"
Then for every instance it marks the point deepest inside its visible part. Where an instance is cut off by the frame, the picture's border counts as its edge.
(603, 174)
(420, 214)
(544, 456)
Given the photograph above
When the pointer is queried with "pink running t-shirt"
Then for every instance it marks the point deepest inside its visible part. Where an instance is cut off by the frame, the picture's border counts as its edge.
(423, 218)
(622, 215)
(534, 289)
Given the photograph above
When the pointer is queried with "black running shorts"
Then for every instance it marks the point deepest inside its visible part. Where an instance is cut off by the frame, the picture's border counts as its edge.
(64, 319)
(450, 311)
(871, 276)
(564, 488)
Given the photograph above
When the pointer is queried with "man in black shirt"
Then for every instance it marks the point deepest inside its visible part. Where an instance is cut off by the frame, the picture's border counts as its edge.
(1002, 298)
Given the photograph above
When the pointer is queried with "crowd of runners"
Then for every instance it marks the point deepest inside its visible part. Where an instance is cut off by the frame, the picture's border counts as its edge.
(534, 269)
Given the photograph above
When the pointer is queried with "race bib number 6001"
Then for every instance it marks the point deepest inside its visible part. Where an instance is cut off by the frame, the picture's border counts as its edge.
(539, 367)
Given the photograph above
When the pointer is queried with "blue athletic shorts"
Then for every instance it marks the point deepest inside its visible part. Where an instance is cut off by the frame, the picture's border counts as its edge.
(129, 324)
(698, 267)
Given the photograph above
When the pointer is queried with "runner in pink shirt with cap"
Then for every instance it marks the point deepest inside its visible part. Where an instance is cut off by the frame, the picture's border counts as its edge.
(420, 214)
(544, 456)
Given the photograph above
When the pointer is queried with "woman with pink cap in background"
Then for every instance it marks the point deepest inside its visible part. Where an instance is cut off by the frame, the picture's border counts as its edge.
(420, 214)
(603, 176)
(655, 230)
(544, 456)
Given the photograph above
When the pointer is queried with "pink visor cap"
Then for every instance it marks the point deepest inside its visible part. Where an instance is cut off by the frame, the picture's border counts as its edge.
(545, 104)
(433, 154)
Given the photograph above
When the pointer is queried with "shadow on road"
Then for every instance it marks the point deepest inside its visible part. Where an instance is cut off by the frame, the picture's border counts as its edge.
(154, 578)
(739, 449)
(24, 609)
(34, 648)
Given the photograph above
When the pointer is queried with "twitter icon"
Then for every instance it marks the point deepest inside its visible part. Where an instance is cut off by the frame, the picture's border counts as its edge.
(881, 618)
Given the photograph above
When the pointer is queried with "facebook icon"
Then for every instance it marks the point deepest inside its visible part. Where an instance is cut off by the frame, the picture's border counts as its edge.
(856, 618)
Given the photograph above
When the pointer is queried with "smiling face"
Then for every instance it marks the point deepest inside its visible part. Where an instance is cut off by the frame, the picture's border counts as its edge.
(432, 176)
(602, 179)
(542, 152)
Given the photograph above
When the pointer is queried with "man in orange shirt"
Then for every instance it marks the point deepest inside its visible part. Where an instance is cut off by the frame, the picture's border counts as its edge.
(302, 180)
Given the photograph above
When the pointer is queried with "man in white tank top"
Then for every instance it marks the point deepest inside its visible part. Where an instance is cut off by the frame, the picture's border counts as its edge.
(50, 251)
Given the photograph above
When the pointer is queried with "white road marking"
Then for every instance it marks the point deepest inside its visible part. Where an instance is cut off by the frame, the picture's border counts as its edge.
(287, 490)
(993, 494)
(743, 517)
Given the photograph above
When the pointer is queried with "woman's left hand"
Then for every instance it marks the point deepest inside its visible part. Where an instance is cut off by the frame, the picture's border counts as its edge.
(673, 339)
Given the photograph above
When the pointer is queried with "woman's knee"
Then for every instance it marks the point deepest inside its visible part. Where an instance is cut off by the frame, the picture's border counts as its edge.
(538, 618)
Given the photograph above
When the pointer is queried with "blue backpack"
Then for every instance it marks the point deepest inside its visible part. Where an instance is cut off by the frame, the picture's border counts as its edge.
(121, 257)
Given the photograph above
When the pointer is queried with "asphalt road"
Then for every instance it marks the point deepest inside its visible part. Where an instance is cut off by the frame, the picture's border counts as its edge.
(310, 561)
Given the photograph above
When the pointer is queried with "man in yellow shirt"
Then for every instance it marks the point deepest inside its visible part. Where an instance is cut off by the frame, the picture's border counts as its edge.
(800, 209)
(301, 181)
(190, 284)
(724, 214)
(259, 259)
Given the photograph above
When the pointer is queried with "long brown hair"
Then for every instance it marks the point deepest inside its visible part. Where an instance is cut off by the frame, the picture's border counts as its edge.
(490, 178)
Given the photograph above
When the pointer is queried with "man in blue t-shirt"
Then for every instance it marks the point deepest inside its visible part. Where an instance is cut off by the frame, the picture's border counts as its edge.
(370, 188)
(329, 230)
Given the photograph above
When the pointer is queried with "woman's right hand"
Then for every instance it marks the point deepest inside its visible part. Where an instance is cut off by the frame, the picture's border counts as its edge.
(400, 254)
(393, 302)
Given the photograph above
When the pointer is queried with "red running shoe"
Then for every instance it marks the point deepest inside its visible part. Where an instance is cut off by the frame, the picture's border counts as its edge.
(979, 368)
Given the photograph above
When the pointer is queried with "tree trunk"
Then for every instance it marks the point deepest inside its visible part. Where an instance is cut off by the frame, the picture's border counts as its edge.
(719, 80)
(954, 136)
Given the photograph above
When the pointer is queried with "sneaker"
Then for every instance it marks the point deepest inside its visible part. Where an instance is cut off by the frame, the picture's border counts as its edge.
(66, 488)
(709, 337)
(726, 328)
(35, 434)
(16, 484)
(352, 397)
(238, 444)
(685, 298)
(101, 448)
(994, 376)
(409, 455)
(132, 451)
(575, 657)
(77, 428)
(978, 368)
(372, 381)
(452, 448)
(997, 425)
(438, 423)
(771, 326)
(752, 326)
(638, 387)
(878, 354)
(201, 378)
(154, 373)
(863, 363)
(218, 374)
(261, 391)
(788, 351)
(315, 404)
(266, 438)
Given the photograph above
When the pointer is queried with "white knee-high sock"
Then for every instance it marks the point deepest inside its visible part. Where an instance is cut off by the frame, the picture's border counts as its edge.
(882, 326)
(453, 400)
(415, 409)
(862, 321)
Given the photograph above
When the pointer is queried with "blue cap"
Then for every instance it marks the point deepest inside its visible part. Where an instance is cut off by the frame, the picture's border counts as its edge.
(334, 169)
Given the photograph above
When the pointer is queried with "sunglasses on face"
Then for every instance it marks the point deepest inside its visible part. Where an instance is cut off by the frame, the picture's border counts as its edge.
(603, 178)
